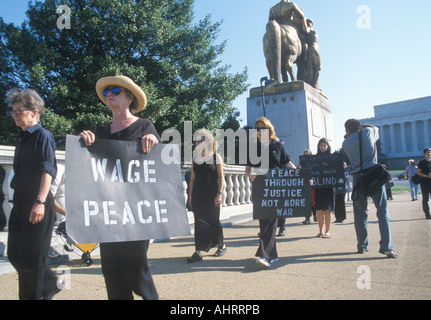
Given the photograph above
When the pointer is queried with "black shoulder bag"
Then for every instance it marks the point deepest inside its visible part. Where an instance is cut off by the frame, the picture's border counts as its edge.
(371, 179)
(416, 179)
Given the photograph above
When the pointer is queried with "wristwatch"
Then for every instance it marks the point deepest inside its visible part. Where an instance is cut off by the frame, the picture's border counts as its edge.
(39, 202)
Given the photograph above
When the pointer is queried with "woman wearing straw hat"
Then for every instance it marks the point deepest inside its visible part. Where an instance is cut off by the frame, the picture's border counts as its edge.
(124, 264)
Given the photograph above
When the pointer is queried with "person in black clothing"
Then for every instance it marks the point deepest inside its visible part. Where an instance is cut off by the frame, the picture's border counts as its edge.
(424, 170)
(2, 197)
(278, 158)
(307, 152)
(205, 197)
(124, 264)
(33, 214)
(324, 197)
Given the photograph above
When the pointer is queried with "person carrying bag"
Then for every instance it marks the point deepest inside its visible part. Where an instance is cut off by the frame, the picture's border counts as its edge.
(371, 179)
(360, 146)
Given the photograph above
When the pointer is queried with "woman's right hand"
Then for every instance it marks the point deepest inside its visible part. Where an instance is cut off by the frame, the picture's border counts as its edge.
(249, 174)
(88, 137)
(252, 176)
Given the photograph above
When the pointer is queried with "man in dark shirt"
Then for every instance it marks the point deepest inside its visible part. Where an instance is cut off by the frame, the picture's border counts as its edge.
(424, 170)
(33, 214)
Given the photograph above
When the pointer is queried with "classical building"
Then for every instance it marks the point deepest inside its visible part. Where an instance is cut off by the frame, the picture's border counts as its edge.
(405, 130)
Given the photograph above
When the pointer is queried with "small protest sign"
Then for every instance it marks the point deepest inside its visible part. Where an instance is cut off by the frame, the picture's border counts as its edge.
(115, 193)
(349, 181)
(327, 170)
(282, 193)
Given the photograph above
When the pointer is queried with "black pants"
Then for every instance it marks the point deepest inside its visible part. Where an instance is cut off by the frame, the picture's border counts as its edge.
(340, 207)
(28, 246)
(281, 223)
(426, 190)
(267, 245)
(125, 268)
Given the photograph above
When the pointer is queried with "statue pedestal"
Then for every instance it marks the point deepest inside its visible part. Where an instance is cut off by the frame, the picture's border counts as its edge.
(301, 115)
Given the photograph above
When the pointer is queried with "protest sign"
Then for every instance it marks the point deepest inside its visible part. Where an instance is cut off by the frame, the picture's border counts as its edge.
(115, 193)
(282, 193)
(349, 181)
(327, 170)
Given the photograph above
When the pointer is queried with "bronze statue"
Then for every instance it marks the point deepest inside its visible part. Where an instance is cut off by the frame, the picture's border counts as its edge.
(314, 54)
(290, 39)
(309, 64)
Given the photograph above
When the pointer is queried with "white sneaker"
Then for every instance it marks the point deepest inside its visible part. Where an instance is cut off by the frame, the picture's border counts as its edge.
(263, 262)
(53, 253)
(273, 260)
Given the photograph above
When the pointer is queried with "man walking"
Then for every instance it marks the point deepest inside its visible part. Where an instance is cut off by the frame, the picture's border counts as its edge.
(409, 173)
(424, 170)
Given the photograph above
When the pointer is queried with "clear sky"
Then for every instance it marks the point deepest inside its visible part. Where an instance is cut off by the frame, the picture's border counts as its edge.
(367, 60)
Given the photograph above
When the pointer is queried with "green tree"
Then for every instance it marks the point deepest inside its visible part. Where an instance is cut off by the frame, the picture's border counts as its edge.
(154, 42)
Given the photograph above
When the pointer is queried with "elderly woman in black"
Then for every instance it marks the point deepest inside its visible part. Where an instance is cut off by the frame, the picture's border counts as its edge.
(33, 214)
(278, 158)
(124, 264)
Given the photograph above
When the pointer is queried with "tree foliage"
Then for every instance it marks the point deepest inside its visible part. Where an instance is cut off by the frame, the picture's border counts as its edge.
(154, 42)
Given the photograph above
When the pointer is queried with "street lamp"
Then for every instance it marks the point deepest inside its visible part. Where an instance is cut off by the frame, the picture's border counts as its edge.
(262, 93)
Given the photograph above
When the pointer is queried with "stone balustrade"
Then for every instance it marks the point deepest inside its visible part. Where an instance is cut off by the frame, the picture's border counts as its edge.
(236, 192)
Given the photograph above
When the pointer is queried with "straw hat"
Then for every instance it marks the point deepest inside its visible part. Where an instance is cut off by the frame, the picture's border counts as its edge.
(125, 82)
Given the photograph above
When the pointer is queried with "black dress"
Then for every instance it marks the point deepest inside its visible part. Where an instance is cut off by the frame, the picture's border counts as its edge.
(324, 198)
(124, 264)
(208, 229)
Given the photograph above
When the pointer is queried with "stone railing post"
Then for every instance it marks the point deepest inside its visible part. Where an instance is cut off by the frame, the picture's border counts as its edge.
(229, 190)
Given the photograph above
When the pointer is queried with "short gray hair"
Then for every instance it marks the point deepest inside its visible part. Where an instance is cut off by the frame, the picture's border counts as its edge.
(29, 99)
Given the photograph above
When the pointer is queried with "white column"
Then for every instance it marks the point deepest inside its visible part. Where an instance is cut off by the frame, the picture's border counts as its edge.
(224, 193)
(7, 205)
(427, 133)
(403, 137)
(183, 178)
(392, 138)
(382, 139)
(247, 189)
(241, 188)
(236, 192)
(229, 190)
(415, 136)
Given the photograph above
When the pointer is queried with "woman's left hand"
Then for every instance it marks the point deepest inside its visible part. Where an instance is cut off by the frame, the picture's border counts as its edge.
(217, 200)
(147, 142)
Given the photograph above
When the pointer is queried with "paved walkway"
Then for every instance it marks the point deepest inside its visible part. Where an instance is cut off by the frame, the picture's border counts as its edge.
(308, 268)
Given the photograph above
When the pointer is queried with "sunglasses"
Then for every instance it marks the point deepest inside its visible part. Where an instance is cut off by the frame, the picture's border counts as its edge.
(263, 128)
(115, 91)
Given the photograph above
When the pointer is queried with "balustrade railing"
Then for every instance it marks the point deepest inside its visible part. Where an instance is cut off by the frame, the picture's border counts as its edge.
(236, 192)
